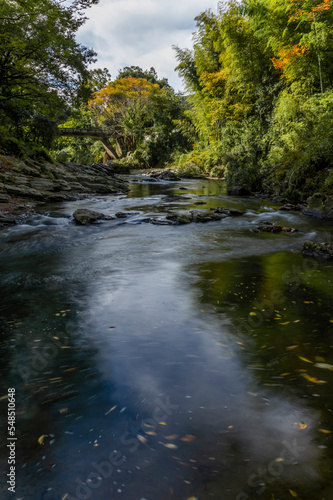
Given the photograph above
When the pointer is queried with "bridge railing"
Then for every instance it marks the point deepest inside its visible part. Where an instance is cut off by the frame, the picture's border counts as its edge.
(97, 131)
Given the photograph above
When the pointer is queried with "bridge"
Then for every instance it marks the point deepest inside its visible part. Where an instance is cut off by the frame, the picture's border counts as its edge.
(103, 134)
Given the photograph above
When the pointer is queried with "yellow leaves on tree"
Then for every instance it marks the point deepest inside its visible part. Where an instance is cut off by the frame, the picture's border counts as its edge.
(298, 12)
(287, 57)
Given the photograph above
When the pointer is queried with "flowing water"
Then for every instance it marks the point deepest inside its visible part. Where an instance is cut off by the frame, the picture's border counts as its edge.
(164, 362)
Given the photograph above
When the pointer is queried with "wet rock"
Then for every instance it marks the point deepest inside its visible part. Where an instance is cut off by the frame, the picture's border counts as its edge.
(320, 251)
(272, 228)
(288, 207)
(5, 198)
(6, 219)
(228, 212)
(84, 216)
(200, 203)
(175, 197)
(204, 216)
(167, 175)
(180, 219)
(238, 191)
(121, 215)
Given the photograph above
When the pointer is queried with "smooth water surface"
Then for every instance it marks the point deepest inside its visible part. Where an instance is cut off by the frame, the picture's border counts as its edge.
(166, 362)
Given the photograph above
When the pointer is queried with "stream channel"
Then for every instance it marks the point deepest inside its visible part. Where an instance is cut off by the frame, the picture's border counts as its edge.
(167, 362)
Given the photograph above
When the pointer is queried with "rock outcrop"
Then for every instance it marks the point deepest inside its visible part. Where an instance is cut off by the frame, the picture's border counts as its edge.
(320, 251)
(28, 180)
(320, 206)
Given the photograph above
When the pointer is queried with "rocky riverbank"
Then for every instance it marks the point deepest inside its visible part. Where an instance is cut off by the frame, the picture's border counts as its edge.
(24, 184)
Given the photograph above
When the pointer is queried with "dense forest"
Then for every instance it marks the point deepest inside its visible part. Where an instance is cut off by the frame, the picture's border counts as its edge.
(258, 106)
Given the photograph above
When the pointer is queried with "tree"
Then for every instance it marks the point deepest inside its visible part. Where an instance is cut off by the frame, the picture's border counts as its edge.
(143, 118)
(41, 65)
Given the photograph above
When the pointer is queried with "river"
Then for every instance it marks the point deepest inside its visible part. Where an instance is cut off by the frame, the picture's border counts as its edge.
(167, 362)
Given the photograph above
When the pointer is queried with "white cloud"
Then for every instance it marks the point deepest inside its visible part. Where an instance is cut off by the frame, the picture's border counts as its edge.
(141, 33)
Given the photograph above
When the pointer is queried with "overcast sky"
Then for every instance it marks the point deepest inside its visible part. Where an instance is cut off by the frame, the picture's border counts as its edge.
(141, 33)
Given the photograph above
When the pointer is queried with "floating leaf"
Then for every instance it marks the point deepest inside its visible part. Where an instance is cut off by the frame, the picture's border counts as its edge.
(305, 359)
(41, 439)
(297, 320)
(171, 446)
(331, 320)
(252, 314)
(285, 374)
(325, 431)
(291, 347)
(192, 498)
(279, 459)
(142, 439)
(293, 493)
(325, 366)
(301, 425)
(151, 433)
(70, 369)
(64, 497)
(111, 409)
(173, 436)
(188, 438)
(63, 410)
(286, 323)
(307, 302)
(162, 423)
(55, 378)
(146, 425)
(313, 379)
(4, 397)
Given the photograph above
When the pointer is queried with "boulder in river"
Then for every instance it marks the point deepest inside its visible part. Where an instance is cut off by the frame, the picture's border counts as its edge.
(320, 251)
(166, 175)
(274, 228)
(84, 216)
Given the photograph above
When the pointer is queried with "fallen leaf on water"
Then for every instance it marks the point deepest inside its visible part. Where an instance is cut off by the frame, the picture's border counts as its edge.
(279, 459)
(301, 370)
(41, 439)
(307, 302)
(252, 314)
(64, 497)
(111, 409)
(305, 359)
(96, 444)
(301, 425)
(173, 436)
(192, 498)
(146, 425)
(285, 374)
(151, 433)
(55, 378)
(142, 439)
(162, 423)
(313, 379)
(293, 493)
(63, 410)
(297, 320)
(325, 366)
(57, 338)
(325, 431)
(331, 320)
(291, 347)
(70, 369)
(240, 343)
(171, 446)
(4, 397)
(188, 438)
(286, 323)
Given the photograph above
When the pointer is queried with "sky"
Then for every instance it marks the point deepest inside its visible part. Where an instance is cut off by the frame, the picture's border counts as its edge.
(141, 33)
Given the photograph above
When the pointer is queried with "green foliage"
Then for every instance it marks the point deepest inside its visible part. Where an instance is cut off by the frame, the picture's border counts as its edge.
(43, 68)
(260, 83)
